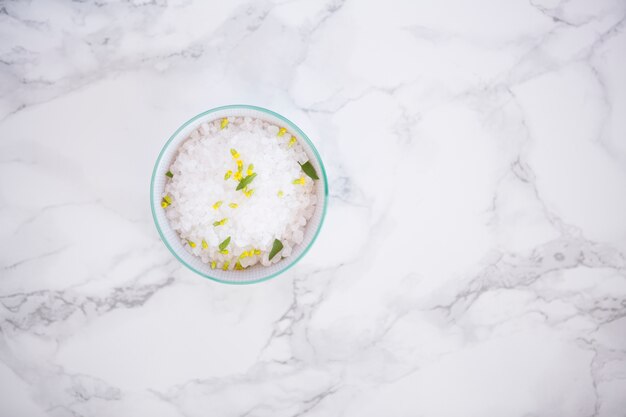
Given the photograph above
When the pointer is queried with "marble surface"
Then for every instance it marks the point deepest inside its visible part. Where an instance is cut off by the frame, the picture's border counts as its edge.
(473, 261)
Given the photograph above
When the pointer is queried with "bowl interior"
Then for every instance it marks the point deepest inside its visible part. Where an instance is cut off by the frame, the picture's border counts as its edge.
(171, 239)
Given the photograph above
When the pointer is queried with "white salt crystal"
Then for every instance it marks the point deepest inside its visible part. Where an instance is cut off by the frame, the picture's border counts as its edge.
(298, 236)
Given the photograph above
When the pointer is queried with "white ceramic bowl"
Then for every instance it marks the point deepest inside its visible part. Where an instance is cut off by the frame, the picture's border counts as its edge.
(171, 239)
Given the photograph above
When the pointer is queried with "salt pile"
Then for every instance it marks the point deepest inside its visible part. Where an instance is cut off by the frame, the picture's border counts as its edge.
(264, 219)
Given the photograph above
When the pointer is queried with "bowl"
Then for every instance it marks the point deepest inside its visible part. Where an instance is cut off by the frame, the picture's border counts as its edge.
(170, 238)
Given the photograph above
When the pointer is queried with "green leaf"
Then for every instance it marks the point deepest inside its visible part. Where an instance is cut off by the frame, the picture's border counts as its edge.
(225, 243)
(276, 247)
(308, 169)
(169, 174)
(245, 181)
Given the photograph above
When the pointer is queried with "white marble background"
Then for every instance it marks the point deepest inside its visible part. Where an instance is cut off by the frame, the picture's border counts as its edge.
(473, 262)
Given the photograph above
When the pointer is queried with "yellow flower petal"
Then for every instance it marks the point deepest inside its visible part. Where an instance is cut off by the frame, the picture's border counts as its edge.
(220, 222)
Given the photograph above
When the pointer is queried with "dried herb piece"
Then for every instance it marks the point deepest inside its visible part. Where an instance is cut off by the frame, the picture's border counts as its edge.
(246, 181)
(225, 243)
(309, 170)
(276, 247)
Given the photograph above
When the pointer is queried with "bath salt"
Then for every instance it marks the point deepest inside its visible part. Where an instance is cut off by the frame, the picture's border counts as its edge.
(240, 191)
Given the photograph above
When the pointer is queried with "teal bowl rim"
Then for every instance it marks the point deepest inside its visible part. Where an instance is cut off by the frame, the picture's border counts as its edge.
(296, 129)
